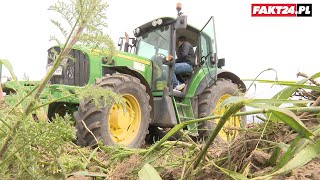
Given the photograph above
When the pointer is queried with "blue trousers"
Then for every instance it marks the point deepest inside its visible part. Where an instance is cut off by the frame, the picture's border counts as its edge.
(180, 68)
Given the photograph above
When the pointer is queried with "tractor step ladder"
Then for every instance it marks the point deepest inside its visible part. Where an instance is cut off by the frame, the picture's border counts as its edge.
(184, 112)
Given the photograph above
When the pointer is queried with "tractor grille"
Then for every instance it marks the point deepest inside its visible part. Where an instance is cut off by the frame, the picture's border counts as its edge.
(75, 72)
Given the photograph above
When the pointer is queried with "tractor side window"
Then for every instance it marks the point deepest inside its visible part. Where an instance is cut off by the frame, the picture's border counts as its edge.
(204, 47)
(147, 50)
(208, 48)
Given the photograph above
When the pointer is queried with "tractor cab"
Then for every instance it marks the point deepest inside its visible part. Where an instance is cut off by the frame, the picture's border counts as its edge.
(157, 39)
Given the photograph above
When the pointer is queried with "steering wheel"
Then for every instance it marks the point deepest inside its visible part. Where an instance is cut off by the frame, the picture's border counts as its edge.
(157, 60)
(158, 57)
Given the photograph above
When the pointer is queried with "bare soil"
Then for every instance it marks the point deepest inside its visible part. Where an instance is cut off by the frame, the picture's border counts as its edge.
(124, 168)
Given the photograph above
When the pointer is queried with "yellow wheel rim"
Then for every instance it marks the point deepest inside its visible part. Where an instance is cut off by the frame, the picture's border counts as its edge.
(229, 130)
(124, 120)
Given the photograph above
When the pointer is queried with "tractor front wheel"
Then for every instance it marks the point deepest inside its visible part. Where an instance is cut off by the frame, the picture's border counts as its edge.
(123, 124)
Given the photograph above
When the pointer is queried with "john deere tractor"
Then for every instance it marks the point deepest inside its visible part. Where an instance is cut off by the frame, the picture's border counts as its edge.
(138, 74)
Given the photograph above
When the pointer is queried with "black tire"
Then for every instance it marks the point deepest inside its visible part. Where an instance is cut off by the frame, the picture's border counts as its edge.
(208, 100)
(97, 120)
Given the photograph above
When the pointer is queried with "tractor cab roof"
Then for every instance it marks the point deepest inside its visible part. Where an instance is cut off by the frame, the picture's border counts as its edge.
(162, 21)
(190, 32)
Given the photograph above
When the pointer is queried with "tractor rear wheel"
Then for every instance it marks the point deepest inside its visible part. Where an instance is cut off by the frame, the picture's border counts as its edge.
(114, 124)
(209, 104)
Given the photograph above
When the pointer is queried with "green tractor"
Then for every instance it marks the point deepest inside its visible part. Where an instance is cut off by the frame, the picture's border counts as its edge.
(145, 85)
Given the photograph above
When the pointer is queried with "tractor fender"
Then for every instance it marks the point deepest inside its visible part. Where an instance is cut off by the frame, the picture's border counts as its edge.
(221, 74)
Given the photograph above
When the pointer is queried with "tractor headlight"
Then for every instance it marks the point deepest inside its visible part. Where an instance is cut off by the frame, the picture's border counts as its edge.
(156, 22)
(159, 21)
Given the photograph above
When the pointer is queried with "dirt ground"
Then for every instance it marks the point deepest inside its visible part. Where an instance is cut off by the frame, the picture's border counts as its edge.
(309, 171)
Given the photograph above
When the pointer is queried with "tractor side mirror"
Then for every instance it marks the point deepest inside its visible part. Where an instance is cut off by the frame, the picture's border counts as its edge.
(134, 41)
(120, 43)
(221, 62)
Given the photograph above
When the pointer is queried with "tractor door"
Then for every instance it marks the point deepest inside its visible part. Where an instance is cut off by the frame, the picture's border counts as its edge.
(208, 45)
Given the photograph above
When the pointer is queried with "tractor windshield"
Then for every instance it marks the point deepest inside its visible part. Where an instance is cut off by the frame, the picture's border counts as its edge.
(154, 42)
(154, 45)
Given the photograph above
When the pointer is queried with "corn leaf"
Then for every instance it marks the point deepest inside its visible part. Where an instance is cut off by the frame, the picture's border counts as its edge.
(148, 173)
(289, 83)
(317, 88)
(283, 146)
(7, 64)
(296, 145)
(280, 101)
(234, 99)
(290, 119)
(287, 92)
(269, 81)
(232, 174)
(87, 173)
(286, 116)
(291, 151)
(301, 158)
(274, 156)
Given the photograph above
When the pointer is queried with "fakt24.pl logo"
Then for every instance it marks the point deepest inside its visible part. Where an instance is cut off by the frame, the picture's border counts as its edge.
(278, 10)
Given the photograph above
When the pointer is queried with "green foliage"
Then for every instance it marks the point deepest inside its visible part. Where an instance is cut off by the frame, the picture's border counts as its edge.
(300, 158)
(232, 174)
(119, 153)
(31, 147)
(7, 64)
(98, 95)
(89, 16)
(286, 116)
(36, 148)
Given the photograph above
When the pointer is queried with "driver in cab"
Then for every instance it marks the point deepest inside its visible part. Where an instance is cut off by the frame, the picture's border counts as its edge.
(184, 62)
